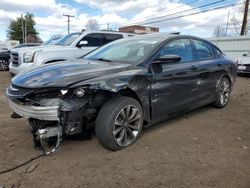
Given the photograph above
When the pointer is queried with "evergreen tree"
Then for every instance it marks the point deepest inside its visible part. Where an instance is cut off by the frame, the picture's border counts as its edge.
(15, 27)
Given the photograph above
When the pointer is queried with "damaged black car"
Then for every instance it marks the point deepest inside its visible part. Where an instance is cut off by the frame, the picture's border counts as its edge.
(120, 88)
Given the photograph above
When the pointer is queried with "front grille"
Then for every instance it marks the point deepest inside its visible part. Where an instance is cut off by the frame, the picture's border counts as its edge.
(248, 67)
(15, 58)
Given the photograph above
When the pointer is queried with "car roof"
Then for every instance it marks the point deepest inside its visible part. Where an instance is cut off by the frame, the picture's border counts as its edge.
(165, 35)
(107, 32)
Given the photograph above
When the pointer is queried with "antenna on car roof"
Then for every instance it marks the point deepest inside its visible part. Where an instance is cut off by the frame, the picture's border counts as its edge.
(175, 33)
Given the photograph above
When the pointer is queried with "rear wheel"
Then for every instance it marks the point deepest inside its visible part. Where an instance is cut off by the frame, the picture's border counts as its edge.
(119, 123)
(4, 65)
(223, 93)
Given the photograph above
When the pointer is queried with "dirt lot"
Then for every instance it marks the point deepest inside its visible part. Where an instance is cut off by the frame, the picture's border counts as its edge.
(205, 148)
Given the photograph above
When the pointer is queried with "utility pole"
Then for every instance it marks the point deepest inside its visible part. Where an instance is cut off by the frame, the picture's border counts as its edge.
(228, 14)
(25, 30)
(107, 26)
(244, 22)
(22, 28)
(69, 16)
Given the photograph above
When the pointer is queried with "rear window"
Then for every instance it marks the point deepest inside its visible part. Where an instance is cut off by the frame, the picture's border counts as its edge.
(204, 50)
(110, 37)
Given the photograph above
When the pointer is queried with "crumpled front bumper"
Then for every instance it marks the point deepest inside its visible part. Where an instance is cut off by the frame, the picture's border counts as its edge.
(49, 113)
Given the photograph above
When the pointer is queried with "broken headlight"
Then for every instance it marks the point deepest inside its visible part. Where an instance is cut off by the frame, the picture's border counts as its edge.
(79, 92)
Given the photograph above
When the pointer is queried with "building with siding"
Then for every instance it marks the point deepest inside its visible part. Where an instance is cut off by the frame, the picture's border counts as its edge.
(138, 29)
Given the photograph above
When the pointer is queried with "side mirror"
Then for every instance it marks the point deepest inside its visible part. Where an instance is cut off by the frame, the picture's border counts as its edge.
(245, 55)
(167, 59)
(82, 43)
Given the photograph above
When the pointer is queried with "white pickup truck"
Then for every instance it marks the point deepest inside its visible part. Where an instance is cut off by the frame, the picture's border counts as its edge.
(71, 46)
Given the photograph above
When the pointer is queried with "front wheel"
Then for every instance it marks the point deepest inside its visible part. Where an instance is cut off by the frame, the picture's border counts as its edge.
(4, 65)
(222, 93)
(119, 123)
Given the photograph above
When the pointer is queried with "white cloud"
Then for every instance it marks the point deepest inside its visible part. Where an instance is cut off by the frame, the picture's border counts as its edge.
(114, 12)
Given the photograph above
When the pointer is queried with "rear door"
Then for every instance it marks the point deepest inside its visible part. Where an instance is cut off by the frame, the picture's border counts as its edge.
(211, 68)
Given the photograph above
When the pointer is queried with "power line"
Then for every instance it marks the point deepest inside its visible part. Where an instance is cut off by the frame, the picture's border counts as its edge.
(216, 8)
(172, 14)
(69, 16)
(145, 18)
(181, 16)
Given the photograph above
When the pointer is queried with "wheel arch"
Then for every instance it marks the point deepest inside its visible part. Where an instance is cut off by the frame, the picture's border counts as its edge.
(4, 58)
(126, 92)
(228, 77)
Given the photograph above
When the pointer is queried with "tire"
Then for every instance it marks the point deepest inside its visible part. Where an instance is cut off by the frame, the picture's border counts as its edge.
(119, 123)
(4, 64)
(222, 93)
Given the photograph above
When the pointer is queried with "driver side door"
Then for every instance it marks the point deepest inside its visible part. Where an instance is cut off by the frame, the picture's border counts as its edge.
(174, 89)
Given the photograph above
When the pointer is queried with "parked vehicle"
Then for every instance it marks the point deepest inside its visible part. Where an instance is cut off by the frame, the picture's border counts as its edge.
(122, 87)
(71, 46)
(4, 60)
(244, 64)
(53, 40)
(5, 55)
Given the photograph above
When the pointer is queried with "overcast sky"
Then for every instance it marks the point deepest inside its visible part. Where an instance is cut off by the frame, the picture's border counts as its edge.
(49, 19)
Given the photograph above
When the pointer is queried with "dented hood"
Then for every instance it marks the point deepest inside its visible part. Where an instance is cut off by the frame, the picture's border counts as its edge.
(66, 73)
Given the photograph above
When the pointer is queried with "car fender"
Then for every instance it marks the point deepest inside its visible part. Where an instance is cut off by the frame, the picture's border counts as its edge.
(137, 82)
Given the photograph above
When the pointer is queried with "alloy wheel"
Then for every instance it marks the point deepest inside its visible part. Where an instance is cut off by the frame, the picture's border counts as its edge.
(224, 91)
(127, 125)
(4, 65)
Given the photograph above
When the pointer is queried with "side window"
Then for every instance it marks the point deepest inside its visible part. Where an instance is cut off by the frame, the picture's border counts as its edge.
(217, 52)
(110, 37)
(94, 40)
(204, 50)
(180, 47)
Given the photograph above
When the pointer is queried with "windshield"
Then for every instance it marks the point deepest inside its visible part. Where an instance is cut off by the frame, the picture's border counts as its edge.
(68, 39)
(51, 41)
(130, 50)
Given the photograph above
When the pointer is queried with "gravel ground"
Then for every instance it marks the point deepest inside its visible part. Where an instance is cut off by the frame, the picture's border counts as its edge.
(205, 148)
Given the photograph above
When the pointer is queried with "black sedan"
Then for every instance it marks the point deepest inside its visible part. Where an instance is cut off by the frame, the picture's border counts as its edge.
(120, 88)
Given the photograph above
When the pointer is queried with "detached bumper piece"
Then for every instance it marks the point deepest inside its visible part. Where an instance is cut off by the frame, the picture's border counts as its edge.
(46, 135)
(71, 118)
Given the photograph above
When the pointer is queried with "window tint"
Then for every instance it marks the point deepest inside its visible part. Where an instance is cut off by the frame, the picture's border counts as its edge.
(204, 50)
(180, 47)
(217, 52)
(94, 40)
(110, 37)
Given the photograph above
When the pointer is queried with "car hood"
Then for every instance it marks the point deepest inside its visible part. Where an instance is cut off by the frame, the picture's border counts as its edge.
(66, 73)
(35, 48)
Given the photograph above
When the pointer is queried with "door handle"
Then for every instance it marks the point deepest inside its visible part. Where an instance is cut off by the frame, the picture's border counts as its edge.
(193, 68)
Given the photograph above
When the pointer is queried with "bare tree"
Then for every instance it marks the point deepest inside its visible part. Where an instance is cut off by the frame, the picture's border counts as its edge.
(92, 25)
(219, 31)
(236, 20)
